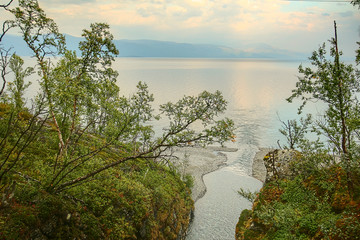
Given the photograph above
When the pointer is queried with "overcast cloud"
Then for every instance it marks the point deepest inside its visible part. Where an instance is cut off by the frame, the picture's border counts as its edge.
(292, 25)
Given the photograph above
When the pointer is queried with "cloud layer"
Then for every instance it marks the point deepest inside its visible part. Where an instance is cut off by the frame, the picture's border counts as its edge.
(286, 24)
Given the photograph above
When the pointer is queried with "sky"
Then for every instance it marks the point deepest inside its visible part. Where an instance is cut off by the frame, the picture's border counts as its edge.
(295, 25)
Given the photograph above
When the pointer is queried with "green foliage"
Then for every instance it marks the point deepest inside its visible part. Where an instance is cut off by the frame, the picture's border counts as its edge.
(39, 32)
(294, 131)
(37, 214)
(18, 131)
(83, 162)
(335, 84)
(313, 158)
(322, 200)
(314, 208)
(88, 116)
(244, 217)
(204, 109)
(188, 180)
(137, 201)
(17, 87)
(250, 196)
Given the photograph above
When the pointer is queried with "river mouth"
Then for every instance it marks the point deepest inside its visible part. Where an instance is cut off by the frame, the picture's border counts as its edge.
(218, 211)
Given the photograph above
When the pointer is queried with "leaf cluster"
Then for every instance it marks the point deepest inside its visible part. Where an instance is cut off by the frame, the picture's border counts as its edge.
(81, 160)
(89, 116)
(320, 200)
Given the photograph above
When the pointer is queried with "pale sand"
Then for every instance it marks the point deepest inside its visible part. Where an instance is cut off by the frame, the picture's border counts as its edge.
(197, 162)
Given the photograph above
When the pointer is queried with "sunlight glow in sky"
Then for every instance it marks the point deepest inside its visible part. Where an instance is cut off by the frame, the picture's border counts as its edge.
(291, 25)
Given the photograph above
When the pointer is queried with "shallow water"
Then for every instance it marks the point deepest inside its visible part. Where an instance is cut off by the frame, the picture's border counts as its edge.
(256, 92)
(217, 213)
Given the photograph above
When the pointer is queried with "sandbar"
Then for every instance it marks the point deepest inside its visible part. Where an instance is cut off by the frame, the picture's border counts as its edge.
(198, 161)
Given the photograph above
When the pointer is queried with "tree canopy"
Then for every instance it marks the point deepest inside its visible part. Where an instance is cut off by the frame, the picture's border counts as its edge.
(81, 161)
(79, 100)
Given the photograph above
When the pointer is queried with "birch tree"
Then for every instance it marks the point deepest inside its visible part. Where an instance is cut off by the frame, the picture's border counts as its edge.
(83, 107)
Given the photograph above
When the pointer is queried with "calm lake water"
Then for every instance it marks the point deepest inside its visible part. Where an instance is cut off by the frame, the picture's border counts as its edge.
(255, 89)
(256, 92)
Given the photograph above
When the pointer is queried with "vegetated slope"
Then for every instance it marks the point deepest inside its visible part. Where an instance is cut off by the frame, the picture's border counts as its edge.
(312, 203)
(139, 199)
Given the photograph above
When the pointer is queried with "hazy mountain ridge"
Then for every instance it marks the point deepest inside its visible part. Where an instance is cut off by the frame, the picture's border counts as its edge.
(166, 49)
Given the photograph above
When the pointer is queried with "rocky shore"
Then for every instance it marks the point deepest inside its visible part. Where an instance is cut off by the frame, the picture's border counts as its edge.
(270, 164)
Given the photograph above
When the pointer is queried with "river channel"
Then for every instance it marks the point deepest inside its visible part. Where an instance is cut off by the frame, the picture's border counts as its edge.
(255, 90)
(218, 211)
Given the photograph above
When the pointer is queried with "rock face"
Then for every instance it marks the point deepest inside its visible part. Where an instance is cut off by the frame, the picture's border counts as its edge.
(278, 164)
(258, 166)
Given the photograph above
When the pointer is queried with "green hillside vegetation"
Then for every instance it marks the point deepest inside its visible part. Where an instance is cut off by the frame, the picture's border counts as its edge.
(317, 194)
(138, 200)
(80, 161)
(313, 203)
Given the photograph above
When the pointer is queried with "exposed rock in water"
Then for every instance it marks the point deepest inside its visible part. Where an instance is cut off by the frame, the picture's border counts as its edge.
(258, 166)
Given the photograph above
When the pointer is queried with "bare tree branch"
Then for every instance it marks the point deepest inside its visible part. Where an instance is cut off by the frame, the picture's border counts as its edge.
(153, 152)
(4, 62)
(28, 136)
(7, 24)
(6, 5)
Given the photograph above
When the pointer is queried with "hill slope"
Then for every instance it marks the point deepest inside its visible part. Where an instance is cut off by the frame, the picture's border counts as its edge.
(165, 49)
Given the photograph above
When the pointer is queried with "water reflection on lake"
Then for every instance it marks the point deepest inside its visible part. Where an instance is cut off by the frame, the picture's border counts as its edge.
(251, 85)
(244, 83)
(256, 92)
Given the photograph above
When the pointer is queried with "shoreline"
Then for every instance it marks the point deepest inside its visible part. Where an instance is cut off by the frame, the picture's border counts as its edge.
(198, 161)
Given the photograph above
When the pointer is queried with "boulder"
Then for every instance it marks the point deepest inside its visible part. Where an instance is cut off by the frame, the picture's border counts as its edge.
(278, 164)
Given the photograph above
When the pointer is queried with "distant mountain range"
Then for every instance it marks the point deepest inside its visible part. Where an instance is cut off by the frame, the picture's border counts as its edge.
(164, 49)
